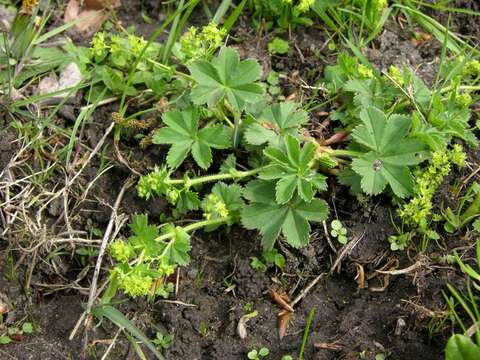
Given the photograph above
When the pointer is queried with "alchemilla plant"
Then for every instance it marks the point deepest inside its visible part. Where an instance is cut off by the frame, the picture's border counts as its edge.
(400, 143)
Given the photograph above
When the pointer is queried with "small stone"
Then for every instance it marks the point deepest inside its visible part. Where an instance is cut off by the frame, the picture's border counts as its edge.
(47, 85)
(70, 76)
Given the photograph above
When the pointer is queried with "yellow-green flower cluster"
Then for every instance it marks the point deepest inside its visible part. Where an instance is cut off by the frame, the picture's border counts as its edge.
(215, 208)
(98, 44)
(121, 251)
(136, 44)
(212, 35)
(396, 74)
(380, 4)
(418, 209)
(464, 99)
(172, 195)
(152, 184)
(196, 45)
(472, 68)
(134, 282)
(304, 5)
(365, 71)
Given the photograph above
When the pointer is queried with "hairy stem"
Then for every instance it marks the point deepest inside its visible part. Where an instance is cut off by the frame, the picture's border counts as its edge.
(194, 226)
(217, 177)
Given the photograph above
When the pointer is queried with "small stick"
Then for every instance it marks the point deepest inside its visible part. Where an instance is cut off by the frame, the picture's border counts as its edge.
(346, 251)
(110, 347)
(420, 263)
(103, 246)
(307, 289)
(177, 302)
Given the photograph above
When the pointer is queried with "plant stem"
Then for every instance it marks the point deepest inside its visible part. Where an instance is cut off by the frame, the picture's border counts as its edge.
(216, 177)
(194, 226)
(168, 68)
(343, 152)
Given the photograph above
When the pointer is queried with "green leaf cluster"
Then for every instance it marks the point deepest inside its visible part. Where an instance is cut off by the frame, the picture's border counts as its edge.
(388, 152)
(274, 123)
(226, 78)
(291, 219)
(291, 169)
(182, 132)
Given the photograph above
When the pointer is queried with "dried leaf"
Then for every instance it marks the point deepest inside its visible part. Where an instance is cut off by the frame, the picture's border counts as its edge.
(242, 324)
(421, 38)
(93, 13)
(284, 318)
(280, 300)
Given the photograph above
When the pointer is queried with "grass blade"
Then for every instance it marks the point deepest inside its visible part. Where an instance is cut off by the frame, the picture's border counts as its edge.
(306, 333)
(121, 321)
(234, 16)
(221, 11)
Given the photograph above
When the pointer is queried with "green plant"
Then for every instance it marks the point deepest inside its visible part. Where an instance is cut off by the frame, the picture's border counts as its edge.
(274, 123)
(461, 346)
(357, 20)
(14, 333)
(338, 231)
(269, 257)
(284, 13)
(278, 46)
(460, 218)
(183, 133)
(388, 155)
(270, 218)
(163, 342)
(195, 45)
(399, 242)
(228, 81)
(306, 333)
(258, 354)
(111, 56)
(417, 211)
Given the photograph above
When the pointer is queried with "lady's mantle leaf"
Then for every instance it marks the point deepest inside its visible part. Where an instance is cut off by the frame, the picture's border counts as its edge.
(226, 77)
(177, 249)
(292, 168)
(290, 219)
(183, 134)
(391, 152)
(275, 122)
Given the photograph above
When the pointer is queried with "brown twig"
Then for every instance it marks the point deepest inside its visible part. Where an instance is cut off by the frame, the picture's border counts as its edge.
(103, 246)
(345, 251)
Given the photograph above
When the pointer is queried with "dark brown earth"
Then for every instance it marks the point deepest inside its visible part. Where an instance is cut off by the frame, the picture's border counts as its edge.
(348, 321)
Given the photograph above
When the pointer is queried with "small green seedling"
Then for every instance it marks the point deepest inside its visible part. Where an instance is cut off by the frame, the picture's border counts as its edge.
(270, 257)
(399, 242)
(287, 357)
(338, 231)
(257, 355)
(278, 46)
(14, 333)
(476, 225)
(163, 342)
(458, 219)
